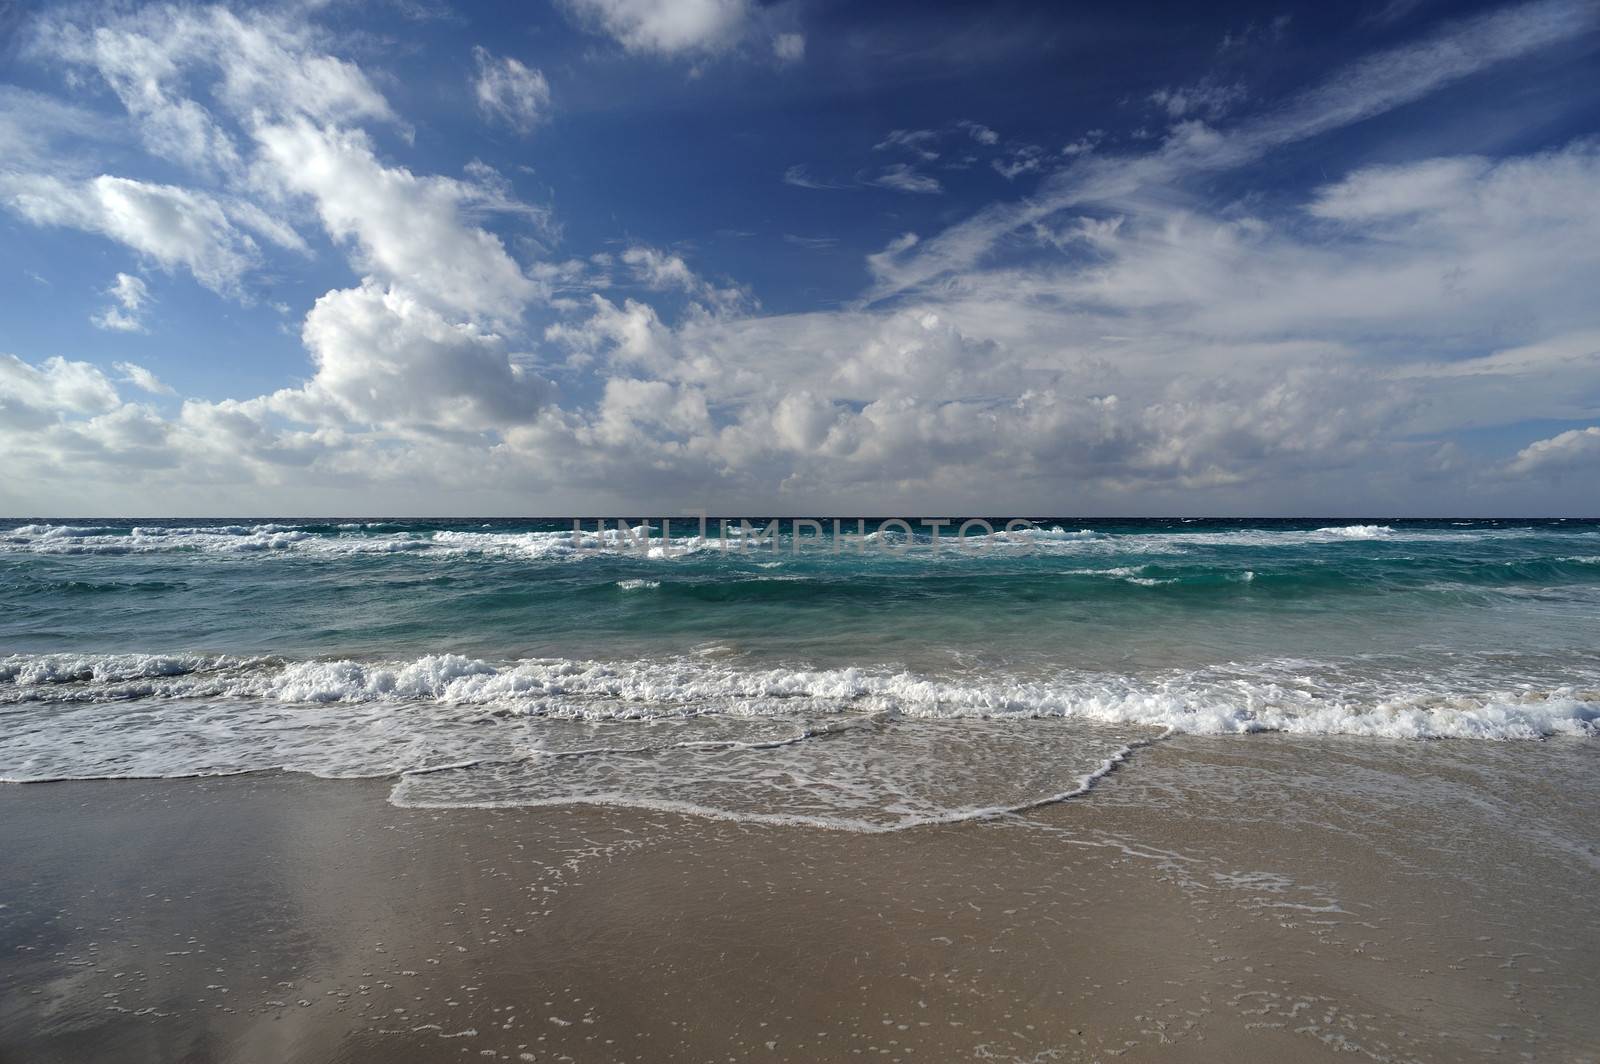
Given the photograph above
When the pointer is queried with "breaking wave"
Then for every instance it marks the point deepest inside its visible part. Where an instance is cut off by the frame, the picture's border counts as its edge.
(1294, 697)
(345, 539)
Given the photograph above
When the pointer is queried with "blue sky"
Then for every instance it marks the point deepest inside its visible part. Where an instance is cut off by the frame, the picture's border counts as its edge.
(627, 256)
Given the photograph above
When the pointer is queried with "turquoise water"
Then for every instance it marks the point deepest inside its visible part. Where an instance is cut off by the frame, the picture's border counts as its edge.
(1104, 594)
(383, 647)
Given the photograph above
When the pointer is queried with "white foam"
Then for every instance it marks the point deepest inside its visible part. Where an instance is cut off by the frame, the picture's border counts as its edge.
(375, 538)
(849, 748)
(269, 539)
(46, 669)
(1277, 696)
(1357, 532)
(1128, 574)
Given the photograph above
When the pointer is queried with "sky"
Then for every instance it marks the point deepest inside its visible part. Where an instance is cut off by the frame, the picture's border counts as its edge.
(648, 257)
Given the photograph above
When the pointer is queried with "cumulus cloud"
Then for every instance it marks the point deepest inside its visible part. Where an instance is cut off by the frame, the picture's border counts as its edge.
(129, 296)
(664, 271)
(1115, 338)
(408, 228)
(665, 27)
(55, 386)
(658, 269)
(386, 358)
(509, 92)
(1575, 449)
(252, 104)
(633, 335)
(174, 227)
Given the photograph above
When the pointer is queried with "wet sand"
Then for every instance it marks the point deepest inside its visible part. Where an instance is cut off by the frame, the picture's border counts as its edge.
(1254, 899)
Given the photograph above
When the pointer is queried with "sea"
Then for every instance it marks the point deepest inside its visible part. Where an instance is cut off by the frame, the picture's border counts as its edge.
(869, 675)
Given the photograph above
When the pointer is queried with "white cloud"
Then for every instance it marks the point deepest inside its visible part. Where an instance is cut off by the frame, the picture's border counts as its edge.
(980, 132)
(33, 127)
(1024, 159)
(634, 334)
(811, 243)
(55, 386)
(176, 227)
(631, 407)
(124, 315)
(1573, 450)
(917, 142)
(1084, 144)
(143, 379)
(386, 358)
(268, 67)
(800, 177)
(409, 229)
(510, 92)
(1362, 90)
(666, 27)
(1133, 343)
(1207, 98)
(1183, 352)
(415, 351)
(658, 269)
(789, 47)
(663, 271)
(902, 178)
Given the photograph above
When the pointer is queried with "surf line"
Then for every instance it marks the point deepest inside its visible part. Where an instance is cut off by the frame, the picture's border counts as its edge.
(894, 536)
(1087, 782)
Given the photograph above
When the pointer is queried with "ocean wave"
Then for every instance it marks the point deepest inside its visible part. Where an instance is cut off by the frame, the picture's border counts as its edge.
(838, 748)
(1358, 532)
(347, 539)
(1129, 574)
(1274, 697)
(45, 670)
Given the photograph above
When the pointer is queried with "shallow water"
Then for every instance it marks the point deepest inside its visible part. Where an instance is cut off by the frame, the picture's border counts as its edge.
(890, 683)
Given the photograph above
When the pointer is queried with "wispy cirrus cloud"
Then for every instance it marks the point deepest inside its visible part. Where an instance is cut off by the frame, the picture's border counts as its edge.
(800, 177)
(901, 177)
(509, 92)
(1366, 88)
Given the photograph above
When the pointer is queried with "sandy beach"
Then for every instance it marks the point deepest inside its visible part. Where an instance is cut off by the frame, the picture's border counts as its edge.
(1240, 899)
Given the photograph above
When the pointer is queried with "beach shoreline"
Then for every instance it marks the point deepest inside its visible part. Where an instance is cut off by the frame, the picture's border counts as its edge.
(1214, 899)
